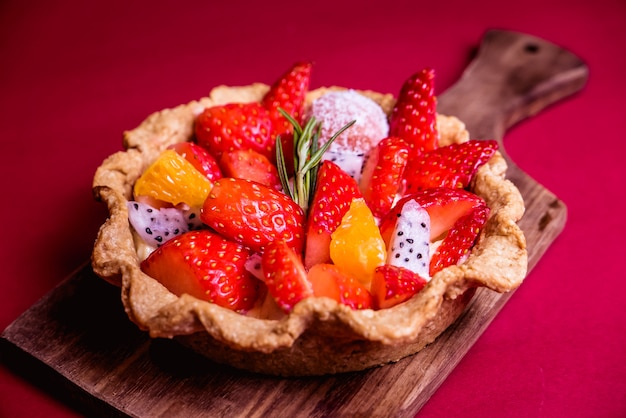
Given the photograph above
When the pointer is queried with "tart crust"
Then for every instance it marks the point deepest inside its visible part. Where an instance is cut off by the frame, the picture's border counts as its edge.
(319, 336)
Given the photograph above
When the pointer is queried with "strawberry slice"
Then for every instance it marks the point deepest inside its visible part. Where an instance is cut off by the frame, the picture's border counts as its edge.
(383, 173)
(328, 281)
(450, 166)
(392, 285)
(200, 158)
(455, 247)
(250, 164)
(444, 206)
(413, 117)
(334, 192)
(235, 126)
(288, 92)
(206, 266)
(252, 214)
(285, 277)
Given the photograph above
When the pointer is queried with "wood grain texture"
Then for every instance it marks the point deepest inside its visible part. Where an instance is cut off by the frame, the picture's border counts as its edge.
(80, 335)
(512, 77)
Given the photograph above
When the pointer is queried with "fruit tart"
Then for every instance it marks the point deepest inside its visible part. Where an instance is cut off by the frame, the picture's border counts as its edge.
(290, 231)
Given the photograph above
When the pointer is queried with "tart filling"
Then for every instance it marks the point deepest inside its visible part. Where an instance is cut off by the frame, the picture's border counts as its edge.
(356, 303)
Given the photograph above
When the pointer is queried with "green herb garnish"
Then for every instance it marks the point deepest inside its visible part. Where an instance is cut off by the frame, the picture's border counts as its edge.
(306, 159)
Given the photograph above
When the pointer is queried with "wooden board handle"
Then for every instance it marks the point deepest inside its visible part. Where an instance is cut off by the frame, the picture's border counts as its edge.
(513, 76)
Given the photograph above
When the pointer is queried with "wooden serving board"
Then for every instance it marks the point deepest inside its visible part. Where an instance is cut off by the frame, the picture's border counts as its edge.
(92, 356)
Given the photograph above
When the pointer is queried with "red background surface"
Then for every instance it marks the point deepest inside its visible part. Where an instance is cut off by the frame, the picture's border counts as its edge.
(74, 75)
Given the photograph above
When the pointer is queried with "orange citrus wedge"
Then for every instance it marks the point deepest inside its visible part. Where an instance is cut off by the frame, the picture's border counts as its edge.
(356, 246)
(171, 178)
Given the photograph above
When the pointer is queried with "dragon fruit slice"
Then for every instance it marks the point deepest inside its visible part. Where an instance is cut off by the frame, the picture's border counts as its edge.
(156, 226)
(192, 217)
(351, 163)
(410, 243)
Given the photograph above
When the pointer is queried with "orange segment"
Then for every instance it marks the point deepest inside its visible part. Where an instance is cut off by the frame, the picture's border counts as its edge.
(357, 247)
(171, 178)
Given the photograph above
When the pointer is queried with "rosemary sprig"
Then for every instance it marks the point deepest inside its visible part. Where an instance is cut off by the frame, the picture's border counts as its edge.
(306, 159)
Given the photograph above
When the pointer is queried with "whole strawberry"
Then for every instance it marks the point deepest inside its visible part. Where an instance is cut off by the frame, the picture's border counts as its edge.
(206, 266)
(413, 117)
(252, 214)
(235, 126)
